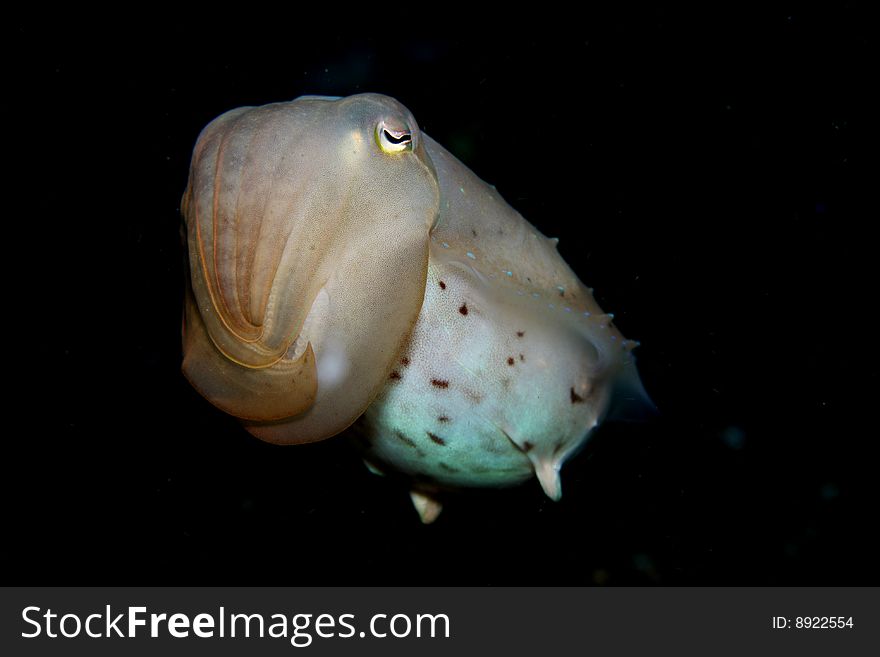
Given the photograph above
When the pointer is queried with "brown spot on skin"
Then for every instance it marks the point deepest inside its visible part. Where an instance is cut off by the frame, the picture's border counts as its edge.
(510, 361)
(435, 438)
(559, 447)
(440, 383)
(394, 375)
(404, 439)
(473, 232)
(519, 334)
(442, 285)
(404, 361)
(448, 467)
(474, 396)
(575, 398)
(443, 418)
(463, 310)
(522, 358)
(527, 446)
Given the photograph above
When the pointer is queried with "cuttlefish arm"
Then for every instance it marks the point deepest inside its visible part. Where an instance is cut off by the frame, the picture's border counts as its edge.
(308, 230)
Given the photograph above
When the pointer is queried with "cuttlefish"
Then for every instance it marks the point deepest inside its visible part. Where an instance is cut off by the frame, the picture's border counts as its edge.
(346, 267)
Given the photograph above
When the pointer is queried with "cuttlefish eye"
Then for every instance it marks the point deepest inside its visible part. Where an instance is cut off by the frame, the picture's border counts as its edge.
(394, 138)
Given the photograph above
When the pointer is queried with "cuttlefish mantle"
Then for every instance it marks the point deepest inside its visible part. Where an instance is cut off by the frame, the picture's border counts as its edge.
(345, 267)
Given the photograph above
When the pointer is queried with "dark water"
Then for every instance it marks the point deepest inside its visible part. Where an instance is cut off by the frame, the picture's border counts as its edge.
(707, 175)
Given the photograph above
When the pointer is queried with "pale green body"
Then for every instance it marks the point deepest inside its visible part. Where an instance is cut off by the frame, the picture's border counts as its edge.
(511, 363)
(344, 265)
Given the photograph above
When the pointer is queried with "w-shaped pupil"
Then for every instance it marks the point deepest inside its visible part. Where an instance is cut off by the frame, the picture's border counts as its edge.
(405, 137)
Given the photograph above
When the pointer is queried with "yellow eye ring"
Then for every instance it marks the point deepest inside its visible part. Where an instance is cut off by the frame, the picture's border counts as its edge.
(393, 139)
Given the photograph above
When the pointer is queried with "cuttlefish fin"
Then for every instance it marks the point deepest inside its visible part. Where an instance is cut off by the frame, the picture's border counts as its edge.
(547, 472)
(373, 469)
(428, 507)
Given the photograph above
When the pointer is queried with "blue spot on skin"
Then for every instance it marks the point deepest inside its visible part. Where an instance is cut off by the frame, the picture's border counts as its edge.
(560, 288)
(586, 314)
(551, 305)
(445, 245)
(568, 310)
(509, 273)
(471, 255)
(535, 294)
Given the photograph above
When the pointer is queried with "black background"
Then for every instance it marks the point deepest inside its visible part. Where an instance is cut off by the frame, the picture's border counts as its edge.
(706, 173)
